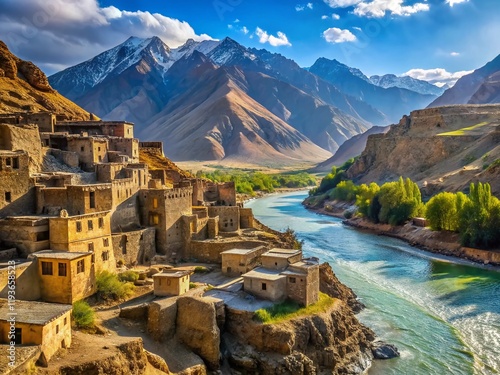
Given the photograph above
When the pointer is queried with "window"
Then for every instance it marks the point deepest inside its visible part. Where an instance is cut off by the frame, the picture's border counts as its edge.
(65, 320)
(155, 202)
(90, 224)
(80, 266)
(264, 286)
(8, 196)
(62, 269)
(101, 222)
(18, 336)
(57, 329)
(98, 149)
(82, 149)
(15, 163)
(91, 247)
(105, 255)
(78, 226)
(92, 199)
(8, 162)
(105, 242)
(46, 268)
(292, 280)
(154, 219)
(169, 281)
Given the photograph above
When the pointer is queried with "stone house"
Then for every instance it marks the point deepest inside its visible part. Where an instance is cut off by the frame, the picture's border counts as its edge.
(65, 277)
(265, 283)
(121, 129)
(171, 283)
(236, 262)
(280, 259)
(302, 281)
(37, 323)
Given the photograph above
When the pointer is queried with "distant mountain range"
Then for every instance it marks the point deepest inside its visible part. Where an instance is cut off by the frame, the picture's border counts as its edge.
(218, 100)
(405, 82)
(479, 87)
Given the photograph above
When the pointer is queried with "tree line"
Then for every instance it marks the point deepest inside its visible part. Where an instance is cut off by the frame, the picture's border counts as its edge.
(475, 216)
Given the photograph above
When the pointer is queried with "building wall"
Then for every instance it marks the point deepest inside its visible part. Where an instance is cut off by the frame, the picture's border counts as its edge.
(279, 263)
(15, 182)
(70, 288)
(275, 290)
(27, 281)
(27, 235)
(238, 264)
(229, 217)
(85, 199)
(134, 247)
(210, 251)
(45, 121)
(67, 157)
(25, 138)
(107, 172)
(126, 146)
(51, 200)
(111, 128)
(246, 218)
(227, 193)
(51, 337)
(170, 286)
(303, 287)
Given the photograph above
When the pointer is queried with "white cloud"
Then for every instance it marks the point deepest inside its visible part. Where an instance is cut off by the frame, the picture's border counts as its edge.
(341, 3)
(276, 41)
(356, 28)
(236, 20)
(436, 76)
(310, 5)
(60, 33)
(378, 8)
(336, 35)
(244, 30)
(229, 26)
(324, 17)
(335, 16)
(454, 54)
(299, 8)
(453, 2)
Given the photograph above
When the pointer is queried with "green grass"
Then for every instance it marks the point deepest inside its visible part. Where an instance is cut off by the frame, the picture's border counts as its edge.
(289, 310)
(83, 315)
(128, 276)
(464, 130)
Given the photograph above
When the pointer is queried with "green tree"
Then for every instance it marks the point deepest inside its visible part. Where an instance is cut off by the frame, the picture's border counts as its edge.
(345, 191)
(364, 198)
(442, 211)
(399, 201)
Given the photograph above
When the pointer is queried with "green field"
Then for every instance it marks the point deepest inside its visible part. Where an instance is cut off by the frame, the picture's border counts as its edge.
(463, 131)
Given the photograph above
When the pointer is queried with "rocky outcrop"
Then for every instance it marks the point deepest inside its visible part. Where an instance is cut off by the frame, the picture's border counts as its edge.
(442, 148)
(382, 350)
(329, 284)
(196, 327)
(333, 342)
(12, 66)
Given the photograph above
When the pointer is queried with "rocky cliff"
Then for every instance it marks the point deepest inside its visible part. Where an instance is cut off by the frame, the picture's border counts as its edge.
(443, 148)
(24, 87)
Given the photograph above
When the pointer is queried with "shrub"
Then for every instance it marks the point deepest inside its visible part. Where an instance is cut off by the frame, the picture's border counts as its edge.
(201, 269)
(128, 276)
(83, 315)
(109, 287)
(192, 285)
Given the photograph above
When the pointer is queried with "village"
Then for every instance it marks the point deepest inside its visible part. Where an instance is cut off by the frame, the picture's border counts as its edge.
(76, 200)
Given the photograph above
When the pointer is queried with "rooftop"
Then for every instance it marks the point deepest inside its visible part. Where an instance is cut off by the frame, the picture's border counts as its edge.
(240, 251)
(51, 254)
(264, 274)
(282, 253)
(171, 274)
(30, 312)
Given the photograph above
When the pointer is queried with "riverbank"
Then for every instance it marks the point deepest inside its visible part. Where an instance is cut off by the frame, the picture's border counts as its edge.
(437, 242)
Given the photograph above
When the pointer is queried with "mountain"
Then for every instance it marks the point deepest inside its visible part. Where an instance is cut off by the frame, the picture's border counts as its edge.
(393, 102)
(405, 82)
(350, 149)
(477, 87)
(441, 148)
(24, 87)
(146, 82)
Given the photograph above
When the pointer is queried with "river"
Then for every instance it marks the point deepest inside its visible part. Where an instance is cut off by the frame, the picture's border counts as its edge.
(443, 317)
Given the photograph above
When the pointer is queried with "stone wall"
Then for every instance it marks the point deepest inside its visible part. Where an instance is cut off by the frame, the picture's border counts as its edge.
(209, 250)
(27, 281)
(134, 247)
(229, 217)
(23, 138)
(26, 235)
(273, 290)
(15, 182)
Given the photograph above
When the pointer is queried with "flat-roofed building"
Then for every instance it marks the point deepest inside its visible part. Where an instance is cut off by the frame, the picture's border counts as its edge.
(265, 283)
(302, 281)
(236, 262)
(37, 323)
(280, 259)
(65, 277)
(171, 283)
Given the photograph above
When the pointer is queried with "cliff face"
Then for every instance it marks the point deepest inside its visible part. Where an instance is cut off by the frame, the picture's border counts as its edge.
(24, 87)
(442, 148)
(330, 343)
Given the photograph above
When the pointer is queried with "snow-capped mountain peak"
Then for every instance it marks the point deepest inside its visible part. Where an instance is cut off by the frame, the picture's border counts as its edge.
(406, 82)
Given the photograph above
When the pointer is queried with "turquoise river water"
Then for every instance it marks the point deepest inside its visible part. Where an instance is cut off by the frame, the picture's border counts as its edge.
(444, 317)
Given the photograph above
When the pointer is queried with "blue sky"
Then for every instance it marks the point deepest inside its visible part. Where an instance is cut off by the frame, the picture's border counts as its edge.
(428, 39)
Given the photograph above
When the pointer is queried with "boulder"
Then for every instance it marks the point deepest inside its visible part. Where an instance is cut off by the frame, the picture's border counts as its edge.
(382, 350)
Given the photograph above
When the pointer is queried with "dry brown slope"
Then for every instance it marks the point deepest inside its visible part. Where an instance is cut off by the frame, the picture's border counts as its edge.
(417, 149)
(24, 87)
(221, 122)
